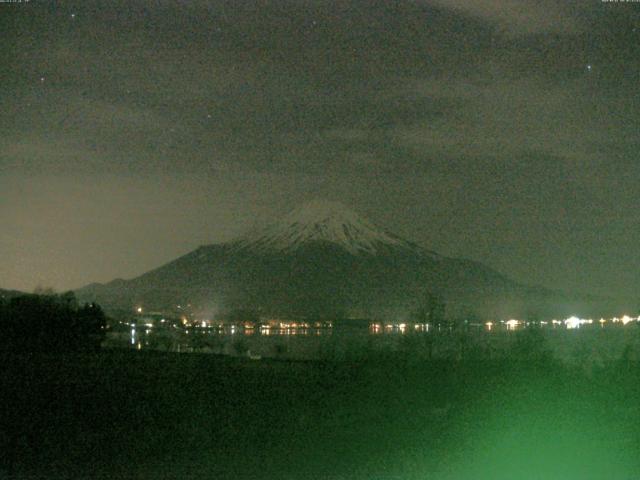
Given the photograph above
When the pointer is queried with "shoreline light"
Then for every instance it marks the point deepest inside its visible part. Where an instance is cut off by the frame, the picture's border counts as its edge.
(575, 322)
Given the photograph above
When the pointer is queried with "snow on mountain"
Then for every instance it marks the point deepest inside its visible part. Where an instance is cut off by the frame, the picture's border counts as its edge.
(325, 221)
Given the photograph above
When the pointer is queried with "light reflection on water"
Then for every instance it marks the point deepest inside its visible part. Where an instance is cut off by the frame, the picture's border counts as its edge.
(341, 342)
(262, 341)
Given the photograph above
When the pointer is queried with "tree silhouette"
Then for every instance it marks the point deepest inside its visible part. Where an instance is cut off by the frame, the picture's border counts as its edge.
(430, 309)
(35, 322)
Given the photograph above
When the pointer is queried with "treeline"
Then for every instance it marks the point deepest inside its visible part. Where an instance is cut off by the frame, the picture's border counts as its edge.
(50, 323)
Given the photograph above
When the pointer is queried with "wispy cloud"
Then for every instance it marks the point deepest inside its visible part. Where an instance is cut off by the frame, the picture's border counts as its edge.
(518, 16)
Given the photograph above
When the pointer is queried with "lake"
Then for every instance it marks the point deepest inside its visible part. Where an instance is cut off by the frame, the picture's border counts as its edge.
(590, 344)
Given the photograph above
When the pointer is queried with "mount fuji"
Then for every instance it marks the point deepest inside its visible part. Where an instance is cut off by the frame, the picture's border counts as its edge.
(324, 260)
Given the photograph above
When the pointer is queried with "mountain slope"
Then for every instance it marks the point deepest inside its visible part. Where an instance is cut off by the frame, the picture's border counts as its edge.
(324, 260)
(6, 295)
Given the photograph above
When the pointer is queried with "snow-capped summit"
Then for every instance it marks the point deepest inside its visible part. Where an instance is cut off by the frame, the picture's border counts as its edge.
(321, 220)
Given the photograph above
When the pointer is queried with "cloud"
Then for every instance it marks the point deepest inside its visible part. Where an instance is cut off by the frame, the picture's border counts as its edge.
(518, 17)
(505, 118)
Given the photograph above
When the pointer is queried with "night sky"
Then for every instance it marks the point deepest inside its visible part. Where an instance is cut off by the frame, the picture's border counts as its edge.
(501, 131)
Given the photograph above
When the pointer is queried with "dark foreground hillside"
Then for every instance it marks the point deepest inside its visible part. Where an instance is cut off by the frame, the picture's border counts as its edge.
(146, 415)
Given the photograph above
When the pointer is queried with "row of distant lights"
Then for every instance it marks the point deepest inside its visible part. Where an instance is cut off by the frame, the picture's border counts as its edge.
(402, 327)
(570, 323)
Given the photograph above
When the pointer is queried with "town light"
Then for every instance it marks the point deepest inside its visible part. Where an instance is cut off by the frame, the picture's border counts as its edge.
(575, 322)
(512, 324)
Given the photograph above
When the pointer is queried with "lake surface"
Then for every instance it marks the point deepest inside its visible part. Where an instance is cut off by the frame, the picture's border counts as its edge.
(590, 344)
